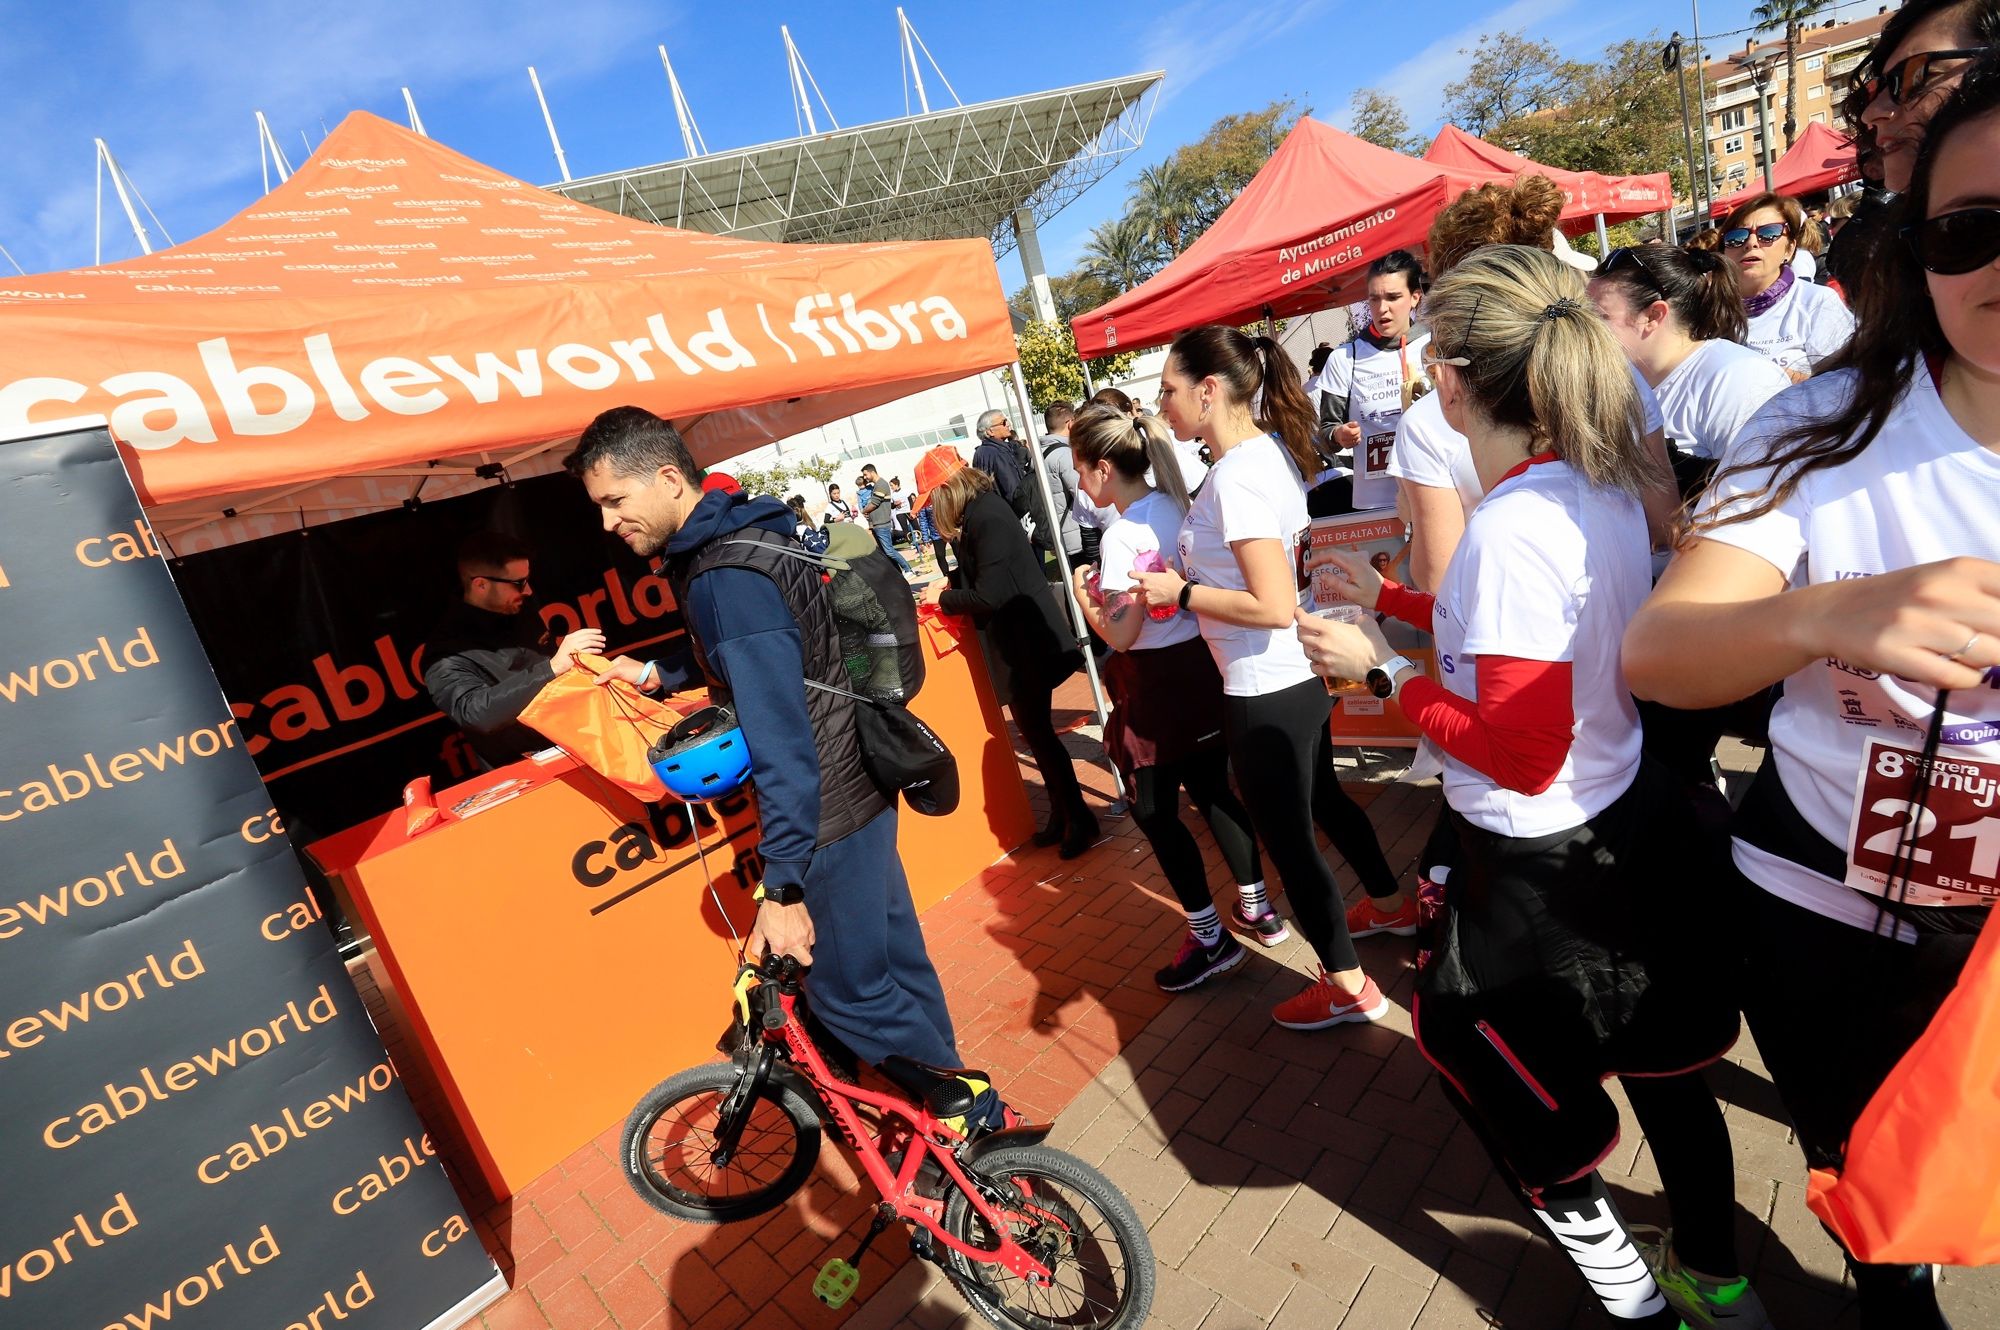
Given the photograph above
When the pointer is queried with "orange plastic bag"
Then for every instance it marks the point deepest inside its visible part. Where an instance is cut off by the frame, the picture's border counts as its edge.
(1921, 1180)
(607, 727)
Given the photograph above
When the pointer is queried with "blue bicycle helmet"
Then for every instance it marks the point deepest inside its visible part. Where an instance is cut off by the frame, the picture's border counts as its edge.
(703, 757)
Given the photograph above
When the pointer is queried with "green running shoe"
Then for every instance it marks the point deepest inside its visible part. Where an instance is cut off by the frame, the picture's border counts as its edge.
(1731, 1306)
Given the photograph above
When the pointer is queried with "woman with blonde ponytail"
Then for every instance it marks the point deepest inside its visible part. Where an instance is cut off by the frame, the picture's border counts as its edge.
(1237, 552)
(1566, 950)
(1165, 729)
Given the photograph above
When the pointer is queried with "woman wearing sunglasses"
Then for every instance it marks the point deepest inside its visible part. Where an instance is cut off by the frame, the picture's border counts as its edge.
(1792, 321)
(1566, 952)
(1922, 54)
(1850, 549)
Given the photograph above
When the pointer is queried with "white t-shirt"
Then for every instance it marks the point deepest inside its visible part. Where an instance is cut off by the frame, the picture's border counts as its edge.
(1253, 493)
(1153, 523)
(1808, 324)
(1805, 266)
(1430, 452)
(1924, 490)
(1552, 568)
(1371, 378)
(1708, 397)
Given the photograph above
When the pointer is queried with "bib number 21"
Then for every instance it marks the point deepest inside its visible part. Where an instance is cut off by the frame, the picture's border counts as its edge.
(1949, 847)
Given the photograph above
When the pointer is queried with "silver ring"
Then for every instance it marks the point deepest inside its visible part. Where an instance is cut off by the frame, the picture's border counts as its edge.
(1969, 642)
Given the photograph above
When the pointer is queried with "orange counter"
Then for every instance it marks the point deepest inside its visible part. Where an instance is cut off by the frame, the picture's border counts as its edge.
(559, 952)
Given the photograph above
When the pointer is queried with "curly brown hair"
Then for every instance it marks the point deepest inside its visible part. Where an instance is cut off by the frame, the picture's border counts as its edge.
(1523, 213)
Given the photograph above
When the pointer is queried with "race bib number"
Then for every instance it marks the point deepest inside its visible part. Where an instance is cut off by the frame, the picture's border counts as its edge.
(1375, 451)
(1955, 858)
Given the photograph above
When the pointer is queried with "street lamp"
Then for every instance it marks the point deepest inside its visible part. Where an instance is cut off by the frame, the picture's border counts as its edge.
(1760, 77)
(1670, 59)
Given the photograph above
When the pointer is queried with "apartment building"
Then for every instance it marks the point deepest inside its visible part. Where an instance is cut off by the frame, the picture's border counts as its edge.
(1829, 55)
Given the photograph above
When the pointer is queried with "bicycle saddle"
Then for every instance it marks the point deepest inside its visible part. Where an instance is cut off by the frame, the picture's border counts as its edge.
(943, 1089)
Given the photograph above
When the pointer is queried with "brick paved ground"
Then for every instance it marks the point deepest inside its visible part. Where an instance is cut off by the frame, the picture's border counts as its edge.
(1288, 1180)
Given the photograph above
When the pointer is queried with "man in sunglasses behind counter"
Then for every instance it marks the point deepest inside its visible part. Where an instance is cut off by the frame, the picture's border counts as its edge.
(487, 658)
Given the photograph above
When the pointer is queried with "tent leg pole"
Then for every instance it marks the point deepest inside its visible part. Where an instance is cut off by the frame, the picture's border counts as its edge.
(1077, 625)
(1603, 240)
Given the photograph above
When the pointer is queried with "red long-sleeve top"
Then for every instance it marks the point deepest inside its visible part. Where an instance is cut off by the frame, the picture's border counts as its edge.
(1518, 733)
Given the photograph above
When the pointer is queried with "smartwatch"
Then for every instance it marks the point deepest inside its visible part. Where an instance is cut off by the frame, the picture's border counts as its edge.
(787, 893)
(1187, 589)
(1382, 679)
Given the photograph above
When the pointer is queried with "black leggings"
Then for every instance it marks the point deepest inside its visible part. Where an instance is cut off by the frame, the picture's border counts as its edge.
(1282, 752)
(1031, 702)
(1156, 807)
(1690, 1145)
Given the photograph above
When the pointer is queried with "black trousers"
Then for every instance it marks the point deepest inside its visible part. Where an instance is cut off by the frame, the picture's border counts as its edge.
(1156, 807)
(1031, 703)
(1282, 753)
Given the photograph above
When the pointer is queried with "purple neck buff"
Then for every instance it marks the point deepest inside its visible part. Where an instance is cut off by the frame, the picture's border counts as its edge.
(1770, 295)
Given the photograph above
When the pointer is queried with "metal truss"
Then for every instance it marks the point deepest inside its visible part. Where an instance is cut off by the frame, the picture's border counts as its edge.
(953, 173)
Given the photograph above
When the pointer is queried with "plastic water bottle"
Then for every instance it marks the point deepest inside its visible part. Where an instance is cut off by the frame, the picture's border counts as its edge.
(1149, 561)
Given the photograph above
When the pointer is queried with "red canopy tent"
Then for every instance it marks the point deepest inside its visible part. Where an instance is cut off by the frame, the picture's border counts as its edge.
(1818, 160)
(1306, 226)
(1618, 198)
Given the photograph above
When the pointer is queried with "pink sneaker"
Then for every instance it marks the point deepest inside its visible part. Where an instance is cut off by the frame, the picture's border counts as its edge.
(1324, 1003)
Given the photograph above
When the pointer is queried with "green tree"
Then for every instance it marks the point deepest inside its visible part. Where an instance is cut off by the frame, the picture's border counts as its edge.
(1619, 116)
(817, 469)
(1235, 148)
(1791, 17)
(1164, 200)
(1378, 117)
(1053, 370)
(1120, 253)
(1510, 77)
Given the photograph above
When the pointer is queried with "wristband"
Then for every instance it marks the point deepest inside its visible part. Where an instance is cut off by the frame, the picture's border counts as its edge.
(1187, 589)
(646, 673)
(788, 893)
(1382, 679)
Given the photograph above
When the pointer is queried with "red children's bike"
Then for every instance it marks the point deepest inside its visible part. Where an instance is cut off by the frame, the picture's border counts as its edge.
(1032, 1237)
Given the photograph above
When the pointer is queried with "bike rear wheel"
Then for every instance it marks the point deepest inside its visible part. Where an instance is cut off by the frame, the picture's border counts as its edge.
(1076, 1223)
(671, 1139)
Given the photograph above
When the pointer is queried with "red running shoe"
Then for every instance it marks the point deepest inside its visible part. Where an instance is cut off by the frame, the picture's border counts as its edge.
(1365, 918)
(1325, 1003)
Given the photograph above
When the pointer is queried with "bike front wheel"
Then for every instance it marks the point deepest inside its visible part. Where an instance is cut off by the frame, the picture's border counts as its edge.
(672, 1138)
(1076, 1223)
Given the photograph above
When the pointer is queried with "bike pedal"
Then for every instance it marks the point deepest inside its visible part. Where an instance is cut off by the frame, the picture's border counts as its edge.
(836, 1283)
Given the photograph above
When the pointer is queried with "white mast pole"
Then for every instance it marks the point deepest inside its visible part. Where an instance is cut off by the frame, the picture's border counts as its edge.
(416, 121)
(910, 54)
(690, 132)
(562, 162)
(270, 154)
(801, 104)
(118, 183)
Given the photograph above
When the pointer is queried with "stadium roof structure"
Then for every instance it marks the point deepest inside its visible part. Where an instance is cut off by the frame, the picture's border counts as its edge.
(955, 172)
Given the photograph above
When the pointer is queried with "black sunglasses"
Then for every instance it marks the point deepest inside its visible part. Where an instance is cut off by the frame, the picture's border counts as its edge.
(1631, 256)
(518, 583)
(1954, 243)
(1736, 237)
(1912, 75)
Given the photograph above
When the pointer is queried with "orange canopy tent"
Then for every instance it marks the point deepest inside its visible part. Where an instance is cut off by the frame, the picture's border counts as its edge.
(1617, 198)
(395, 303)
(1817, 161)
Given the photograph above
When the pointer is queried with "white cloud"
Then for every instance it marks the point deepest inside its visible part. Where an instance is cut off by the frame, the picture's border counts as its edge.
(1418, 82)
(1193, 39)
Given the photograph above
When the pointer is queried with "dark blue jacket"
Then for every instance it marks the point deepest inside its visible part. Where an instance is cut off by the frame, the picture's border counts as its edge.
(753, 644)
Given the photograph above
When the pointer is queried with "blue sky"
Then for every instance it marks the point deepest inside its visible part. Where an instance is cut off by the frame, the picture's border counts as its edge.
(172, 87)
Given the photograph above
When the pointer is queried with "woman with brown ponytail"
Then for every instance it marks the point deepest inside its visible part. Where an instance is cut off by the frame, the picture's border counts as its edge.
(1237, 549)
(1165, 730)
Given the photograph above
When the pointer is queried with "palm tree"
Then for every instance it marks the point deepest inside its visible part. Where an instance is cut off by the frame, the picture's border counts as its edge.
(1792, 16)
(1163, 198)
(1120, 253)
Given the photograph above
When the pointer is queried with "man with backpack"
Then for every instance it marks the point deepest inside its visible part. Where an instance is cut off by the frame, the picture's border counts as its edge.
(760, 623)
(1061, 469)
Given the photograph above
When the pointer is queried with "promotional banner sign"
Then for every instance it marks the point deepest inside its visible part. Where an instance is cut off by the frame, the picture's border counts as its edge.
(318, 636)
(1359, 717)
(197, 1122)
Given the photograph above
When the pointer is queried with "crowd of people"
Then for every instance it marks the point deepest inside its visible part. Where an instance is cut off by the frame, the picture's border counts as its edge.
(1652, 499)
